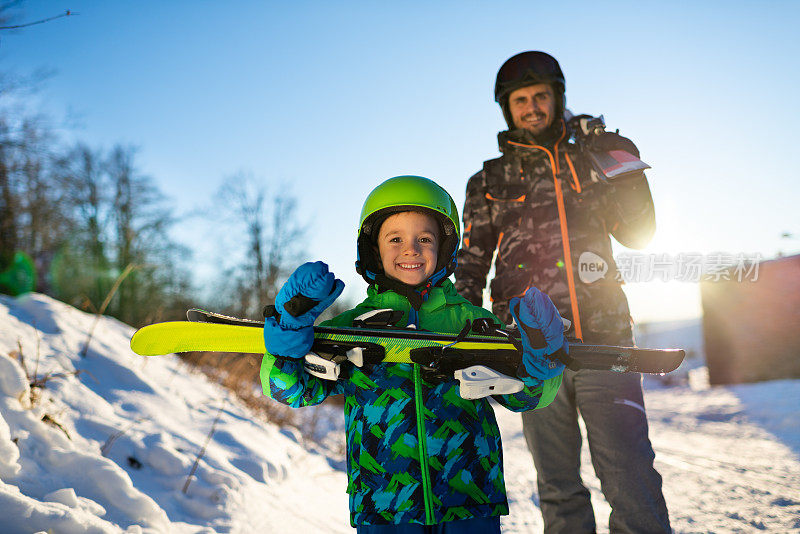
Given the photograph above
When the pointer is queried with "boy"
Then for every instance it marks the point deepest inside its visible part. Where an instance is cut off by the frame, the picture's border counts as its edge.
(419, 457)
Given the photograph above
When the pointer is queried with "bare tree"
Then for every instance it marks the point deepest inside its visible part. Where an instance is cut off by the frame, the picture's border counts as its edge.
(46, 223)
(85, 217)
(30, 215)
(8, 200)
(141, 224)
(83, 259)
(120, 225)
(272, 242)
(26, 154)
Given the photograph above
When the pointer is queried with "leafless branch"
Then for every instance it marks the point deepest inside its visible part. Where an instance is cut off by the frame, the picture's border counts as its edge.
(111, 439)
(67, 13)
(130, 267)
(203, 450)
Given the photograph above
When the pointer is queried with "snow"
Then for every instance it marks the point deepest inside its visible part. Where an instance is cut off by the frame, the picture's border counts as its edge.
(107, 445)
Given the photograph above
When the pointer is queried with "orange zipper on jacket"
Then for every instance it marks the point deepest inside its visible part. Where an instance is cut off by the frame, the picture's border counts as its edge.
(518, 199)
(577, 186)
(562, 219)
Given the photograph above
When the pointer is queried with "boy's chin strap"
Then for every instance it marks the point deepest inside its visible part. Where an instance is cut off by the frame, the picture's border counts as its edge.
(416, 295)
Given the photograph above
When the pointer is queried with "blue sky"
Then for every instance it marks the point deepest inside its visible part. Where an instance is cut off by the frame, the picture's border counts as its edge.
(332, 98)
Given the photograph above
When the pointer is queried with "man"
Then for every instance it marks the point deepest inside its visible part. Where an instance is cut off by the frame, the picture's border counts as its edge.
(547, 211)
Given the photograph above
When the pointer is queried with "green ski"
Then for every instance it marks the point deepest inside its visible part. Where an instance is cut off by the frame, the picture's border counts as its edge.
(481, 343)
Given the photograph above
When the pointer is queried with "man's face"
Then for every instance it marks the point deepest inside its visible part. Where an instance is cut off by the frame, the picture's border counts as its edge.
(533, 107)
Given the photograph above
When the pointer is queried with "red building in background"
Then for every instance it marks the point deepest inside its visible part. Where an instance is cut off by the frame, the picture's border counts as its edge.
(751, 326)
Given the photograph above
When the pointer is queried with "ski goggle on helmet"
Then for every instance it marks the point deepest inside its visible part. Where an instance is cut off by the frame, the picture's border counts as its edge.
(407, 193)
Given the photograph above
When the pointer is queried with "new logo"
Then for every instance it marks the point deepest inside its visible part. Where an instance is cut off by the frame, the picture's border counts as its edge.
(591, 267)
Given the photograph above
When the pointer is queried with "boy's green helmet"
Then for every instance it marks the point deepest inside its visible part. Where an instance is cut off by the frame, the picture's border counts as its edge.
(407, 193)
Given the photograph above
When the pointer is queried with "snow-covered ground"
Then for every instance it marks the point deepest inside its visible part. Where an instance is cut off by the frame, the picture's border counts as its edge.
(107, 446)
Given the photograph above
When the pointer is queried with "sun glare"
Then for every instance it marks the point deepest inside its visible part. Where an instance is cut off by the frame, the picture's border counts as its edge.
(663, 301)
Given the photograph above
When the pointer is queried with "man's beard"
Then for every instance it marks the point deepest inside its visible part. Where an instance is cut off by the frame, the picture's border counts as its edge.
(541, 125)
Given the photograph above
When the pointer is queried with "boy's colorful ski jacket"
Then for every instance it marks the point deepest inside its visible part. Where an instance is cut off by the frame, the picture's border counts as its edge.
(416, 451)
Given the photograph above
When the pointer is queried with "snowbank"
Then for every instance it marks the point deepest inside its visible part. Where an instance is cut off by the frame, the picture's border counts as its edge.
(108, 444)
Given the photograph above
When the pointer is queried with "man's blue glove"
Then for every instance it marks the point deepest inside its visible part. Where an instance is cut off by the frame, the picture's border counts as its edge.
(542, 333)
(303, 297)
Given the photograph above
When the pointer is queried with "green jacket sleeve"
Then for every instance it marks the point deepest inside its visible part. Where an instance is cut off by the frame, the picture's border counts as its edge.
(287, 382)
(531, 397)
(536, 393)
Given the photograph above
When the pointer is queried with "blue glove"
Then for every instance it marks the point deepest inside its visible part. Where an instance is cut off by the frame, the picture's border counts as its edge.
(542, 333)
(304, 296)
(309, 290)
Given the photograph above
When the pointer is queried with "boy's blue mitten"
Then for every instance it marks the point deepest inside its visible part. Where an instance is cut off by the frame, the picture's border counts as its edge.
(309, 290)
(542, 333)
(306, 294)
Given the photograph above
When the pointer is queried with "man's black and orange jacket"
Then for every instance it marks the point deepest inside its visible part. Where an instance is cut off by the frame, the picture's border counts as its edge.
(537, 206)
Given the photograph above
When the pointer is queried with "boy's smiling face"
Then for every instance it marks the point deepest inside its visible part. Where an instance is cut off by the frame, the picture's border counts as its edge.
(408, 244)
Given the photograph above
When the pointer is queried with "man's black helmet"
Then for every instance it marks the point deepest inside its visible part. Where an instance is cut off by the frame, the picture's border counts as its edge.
(528, 68)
